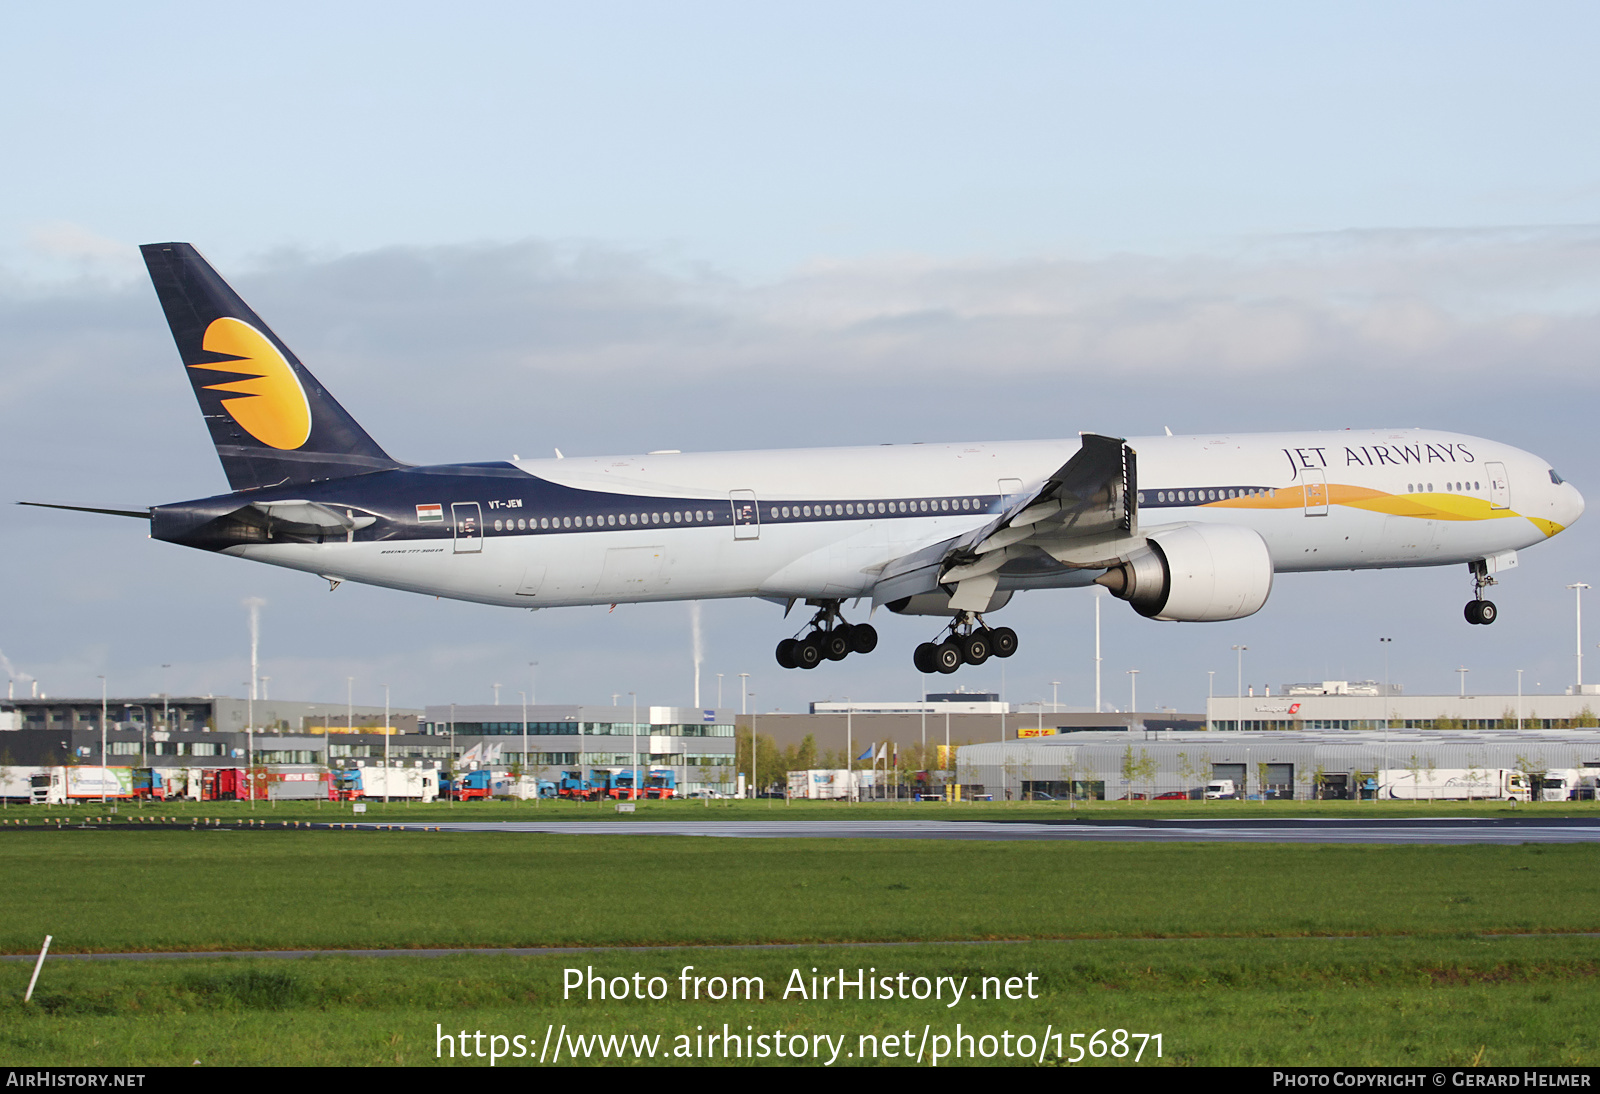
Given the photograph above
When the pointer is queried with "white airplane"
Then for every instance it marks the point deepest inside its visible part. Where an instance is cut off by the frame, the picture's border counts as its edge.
(1182, 527)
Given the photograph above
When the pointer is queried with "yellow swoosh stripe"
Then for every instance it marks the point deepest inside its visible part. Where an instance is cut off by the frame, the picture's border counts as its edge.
(1418, 506)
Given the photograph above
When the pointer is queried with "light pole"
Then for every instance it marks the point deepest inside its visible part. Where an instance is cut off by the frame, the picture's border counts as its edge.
(1055, 696)
(496, 693)
(1097, 707)
(533, 683)
(744, 694)
(525, 745)
(1133, 691)
(1238, 687)
(1211, 692)
(1385, 643)
(1577, 589)
(633, 783)
(1519, 700)
(265, 680)
(349, 704)
(1462, 672)
(388, 732)
(103, 764)
(719, 691)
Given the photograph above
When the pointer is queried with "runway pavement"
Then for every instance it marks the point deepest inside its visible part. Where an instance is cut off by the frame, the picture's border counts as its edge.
(1288, 830)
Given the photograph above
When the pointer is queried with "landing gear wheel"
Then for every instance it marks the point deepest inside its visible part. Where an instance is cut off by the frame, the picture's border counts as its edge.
(836, 643)
(1003, 641)
(786, 654)
(1481, 611)
(948, 656)
(808, 652)
(925, 658)
(975, 648)
(863, 638)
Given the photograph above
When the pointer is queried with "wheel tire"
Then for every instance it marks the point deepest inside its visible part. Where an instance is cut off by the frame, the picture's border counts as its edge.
(1003, 641)
(1471, 611)
(948, 656)
(808, 652)
(864, 638)
(1487, 612)
(925, 658)
(975, 648)
(786, 655)
(836, 643)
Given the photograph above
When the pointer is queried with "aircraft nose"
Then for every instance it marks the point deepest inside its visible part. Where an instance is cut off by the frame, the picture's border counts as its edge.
(1569, 505)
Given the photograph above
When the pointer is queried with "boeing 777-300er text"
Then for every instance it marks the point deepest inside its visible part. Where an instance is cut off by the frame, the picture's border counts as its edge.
(1182, 527)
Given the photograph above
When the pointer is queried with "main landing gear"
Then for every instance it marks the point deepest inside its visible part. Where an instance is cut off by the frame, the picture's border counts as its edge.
(830, 639)
(971, 641)
(1479, 610)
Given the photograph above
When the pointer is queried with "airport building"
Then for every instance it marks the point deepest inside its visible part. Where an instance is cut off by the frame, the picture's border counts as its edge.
(1281, 765)
(1340, 704)
(205, 731)
(696, 743)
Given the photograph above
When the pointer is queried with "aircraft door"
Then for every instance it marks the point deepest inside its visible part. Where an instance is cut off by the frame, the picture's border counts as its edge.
(468, 519)
(746, 514)
(1316, 488)
(1499, 485)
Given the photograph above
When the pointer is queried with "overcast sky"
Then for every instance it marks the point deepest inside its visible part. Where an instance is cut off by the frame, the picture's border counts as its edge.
(618, 227)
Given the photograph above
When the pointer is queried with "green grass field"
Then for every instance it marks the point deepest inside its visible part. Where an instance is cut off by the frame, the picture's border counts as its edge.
(1235, 954)
(774, 809)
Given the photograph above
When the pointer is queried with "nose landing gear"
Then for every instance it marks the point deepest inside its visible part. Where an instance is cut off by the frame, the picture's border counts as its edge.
(971, 641)
(1478, 610)
(829, 639)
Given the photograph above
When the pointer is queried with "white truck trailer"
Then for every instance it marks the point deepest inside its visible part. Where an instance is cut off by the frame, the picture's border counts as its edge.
(61, 785)
(396, 783)
(1453, 784)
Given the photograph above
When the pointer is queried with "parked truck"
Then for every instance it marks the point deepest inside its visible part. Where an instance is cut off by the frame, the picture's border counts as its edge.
(61, 785)
(1453, 784)
(625, 785)
(469, 786)
(661, 783)
(1221, 790)
(394, 783)
(573, 786)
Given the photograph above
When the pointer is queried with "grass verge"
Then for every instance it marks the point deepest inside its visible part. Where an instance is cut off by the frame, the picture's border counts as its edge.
(1505, 1001)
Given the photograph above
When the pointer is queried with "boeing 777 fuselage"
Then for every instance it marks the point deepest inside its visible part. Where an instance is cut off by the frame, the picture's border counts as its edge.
(1183, 527)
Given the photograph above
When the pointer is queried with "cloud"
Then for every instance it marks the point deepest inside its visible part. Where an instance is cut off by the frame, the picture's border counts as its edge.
(1468, 302)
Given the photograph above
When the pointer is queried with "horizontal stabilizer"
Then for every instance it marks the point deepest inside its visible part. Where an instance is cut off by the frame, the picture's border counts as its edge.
(141, 514)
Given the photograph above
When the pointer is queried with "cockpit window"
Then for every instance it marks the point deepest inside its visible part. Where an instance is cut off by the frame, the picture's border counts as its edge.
(1555, 478)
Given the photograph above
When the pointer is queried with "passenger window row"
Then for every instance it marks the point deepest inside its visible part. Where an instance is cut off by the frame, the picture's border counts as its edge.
(1452, 487)
(1199, 496)
(908, 507)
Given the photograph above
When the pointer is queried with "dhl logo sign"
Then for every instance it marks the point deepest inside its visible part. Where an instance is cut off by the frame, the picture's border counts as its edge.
(270, 404)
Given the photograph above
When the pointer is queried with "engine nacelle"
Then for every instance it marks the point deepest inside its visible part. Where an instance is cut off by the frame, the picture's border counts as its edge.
(1197, 573)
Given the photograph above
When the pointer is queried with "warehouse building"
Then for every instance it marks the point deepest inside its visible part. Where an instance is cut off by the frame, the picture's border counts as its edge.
(1340, 704)
(1285, 765)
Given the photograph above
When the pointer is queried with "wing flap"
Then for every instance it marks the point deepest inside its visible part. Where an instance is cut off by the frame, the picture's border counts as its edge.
(1084, 514)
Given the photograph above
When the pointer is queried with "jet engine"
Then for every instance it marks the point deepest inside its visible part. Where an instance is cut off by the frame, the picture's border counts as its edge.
(1195, 573)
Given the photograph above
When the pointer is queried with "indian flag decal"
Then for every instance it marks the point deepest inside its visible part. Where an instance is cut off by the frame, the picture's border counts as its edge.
(430, 514)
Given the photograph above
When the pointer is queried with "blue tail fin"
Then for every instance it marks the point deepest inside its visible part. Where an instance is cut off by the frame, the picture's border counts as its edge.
(272, 422)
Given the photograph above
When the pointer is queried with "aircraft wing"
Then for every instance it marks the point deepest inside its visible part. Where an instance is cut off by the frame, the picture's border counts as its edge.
(1082, 516)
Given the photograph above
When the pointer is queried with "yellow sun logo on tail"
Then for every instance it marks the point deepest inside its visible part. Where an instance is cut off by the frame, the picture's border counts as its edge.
(272, 405)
